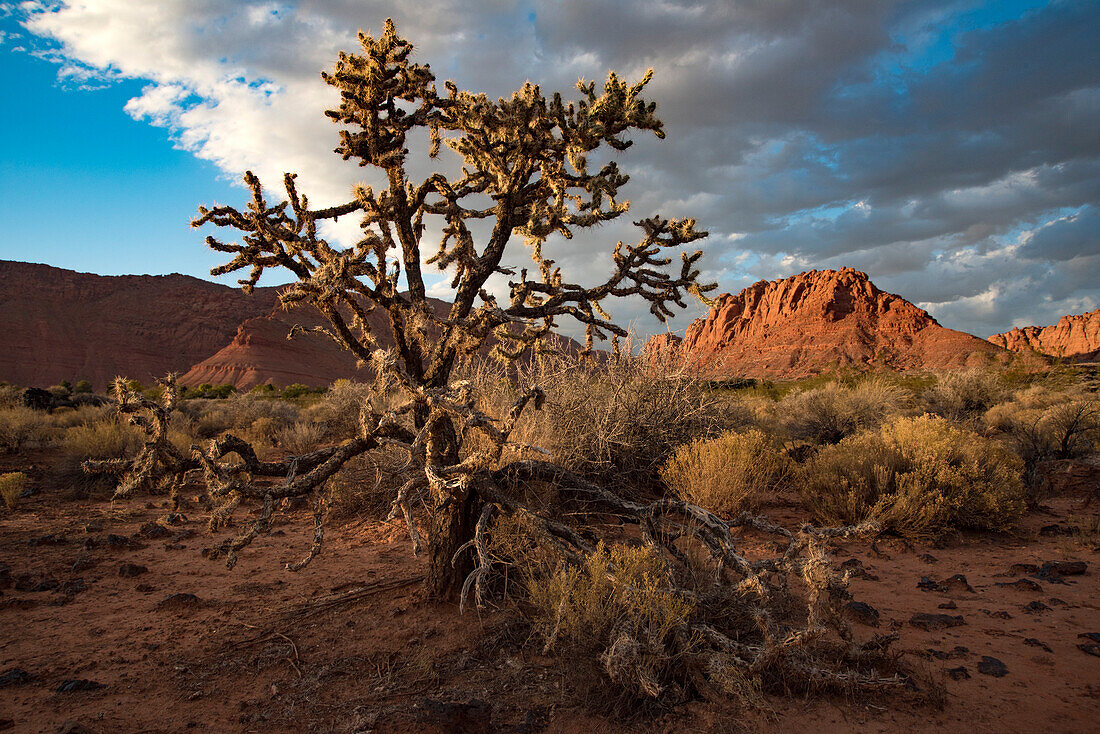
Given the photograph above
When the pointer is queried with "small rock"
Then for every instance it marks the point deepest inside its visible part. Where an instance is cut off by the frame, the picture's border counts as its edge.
(957, 652)
(854, 568)
(1094, 636)
(928, 558)
(957, 583)
(175, 518)
(927, 584)
(1058, 569)
(1036, 607)
(178, 601)
(474, 716)
(83, 562)
(130, 570)
(1032, 642)
(1055, 601)
(154, 530)
(1053, 530)
(959, 673)
(121, 542)
(89, 544)
(992, 666)
(862, 613)
(34, 584)
(72, 587)
(949, 605)
(48, 539)
(14, 677)
(1022, 569)
(932, 622)
(1023, 585)
(1090, 648)
(1000, 614)
(75, 727)
(144, 588)
(183, 535)
(79, 684)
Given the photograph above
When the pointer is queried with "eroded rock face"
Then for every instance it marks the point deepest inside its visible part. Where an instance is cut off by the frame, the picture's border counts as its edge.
(1074, 337)
(819, 321)
(64, 325)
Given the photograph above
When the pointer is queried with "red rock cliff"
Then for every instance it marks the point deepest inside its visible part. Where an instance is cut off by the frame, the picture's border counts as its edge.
(1074, 337)
(819, 321)
(63, 325)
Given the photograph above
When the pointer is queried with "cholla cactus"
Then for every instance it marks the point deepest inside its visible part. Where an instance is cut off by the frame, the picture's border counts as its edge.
(526, 173)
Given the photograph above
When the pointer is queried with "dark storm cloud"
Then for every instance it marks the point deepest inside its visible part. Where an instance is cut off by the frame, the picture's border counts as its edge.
(951, 149)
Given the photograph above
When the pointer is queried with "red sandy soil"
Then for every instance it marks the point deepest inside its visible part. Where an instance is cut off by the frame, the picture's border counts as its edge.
(349, 644)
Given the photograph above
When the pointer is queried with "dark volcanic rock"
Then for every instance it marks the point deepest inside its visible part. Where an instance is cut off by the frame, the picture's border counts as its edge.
(79, 684)
(130, 570)
(154, 530)
(1057, 569)
(862, 612)
(1023, 585)
(959, 673)
(957, 583)
(179, 601)
(1036, 607)
(932, 622)
(1032, 642)
(14, 677)
(992, 666)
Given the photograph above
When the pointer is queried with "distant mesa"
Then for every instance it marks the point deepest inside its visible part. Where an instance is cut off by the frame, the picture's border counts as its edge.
(815, 322)
(64, 325)
(1075, 337)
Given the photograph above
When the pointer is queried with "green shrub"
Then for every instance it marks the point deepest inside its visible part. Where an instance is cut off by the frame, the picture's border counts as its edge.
(82, 386)
(916, 476)
(21, 427)
(727, 474)
(826, 414)
(11, 488)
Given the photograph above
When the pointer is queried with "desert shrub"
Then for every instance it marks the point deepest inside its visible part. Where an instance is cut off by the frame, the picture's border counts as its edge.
(237, 413)
(966, 395)
(300, 437)
(11, 488)
(82, 386)
(1042, 424)
(22, 427)
(729, 473)
(296, 390)
(10, 396)
(826, 414)
(109, 438)
(338, 409)
(615, 422)
(618, 608)
(916, 476)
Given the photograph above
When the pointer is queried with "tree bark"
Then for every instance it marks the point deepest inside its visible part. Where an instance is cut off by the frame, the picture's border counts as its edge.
(454, 516)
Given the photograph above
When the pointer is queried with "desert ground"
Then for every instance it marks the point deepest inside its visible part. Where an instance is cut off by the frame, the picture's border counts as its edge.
(113, 620)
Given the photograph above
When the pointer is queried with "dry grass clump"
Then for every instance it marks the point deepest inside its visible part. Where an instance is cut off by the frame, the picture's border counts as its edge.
(918, 477)
(619, 608)
(106, 438)
(965, 396)
(728, 474)
(827, 414)
(11, 488)
(300, 437)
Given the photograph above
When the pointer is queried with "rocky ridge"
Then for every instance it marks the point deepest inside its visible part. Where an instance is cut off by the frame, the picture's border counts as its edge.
(1075, 337)
(819, 321)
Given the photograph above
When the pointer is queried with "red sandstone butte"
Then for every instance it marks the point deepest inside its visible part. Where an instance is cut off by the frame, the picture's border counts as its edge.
(819, 321)
(64, 325)
(1075, 337)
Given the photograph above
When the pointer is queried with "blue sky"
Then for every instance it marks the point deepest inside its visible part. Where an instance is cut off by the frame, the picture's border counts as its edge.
(950, 149)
